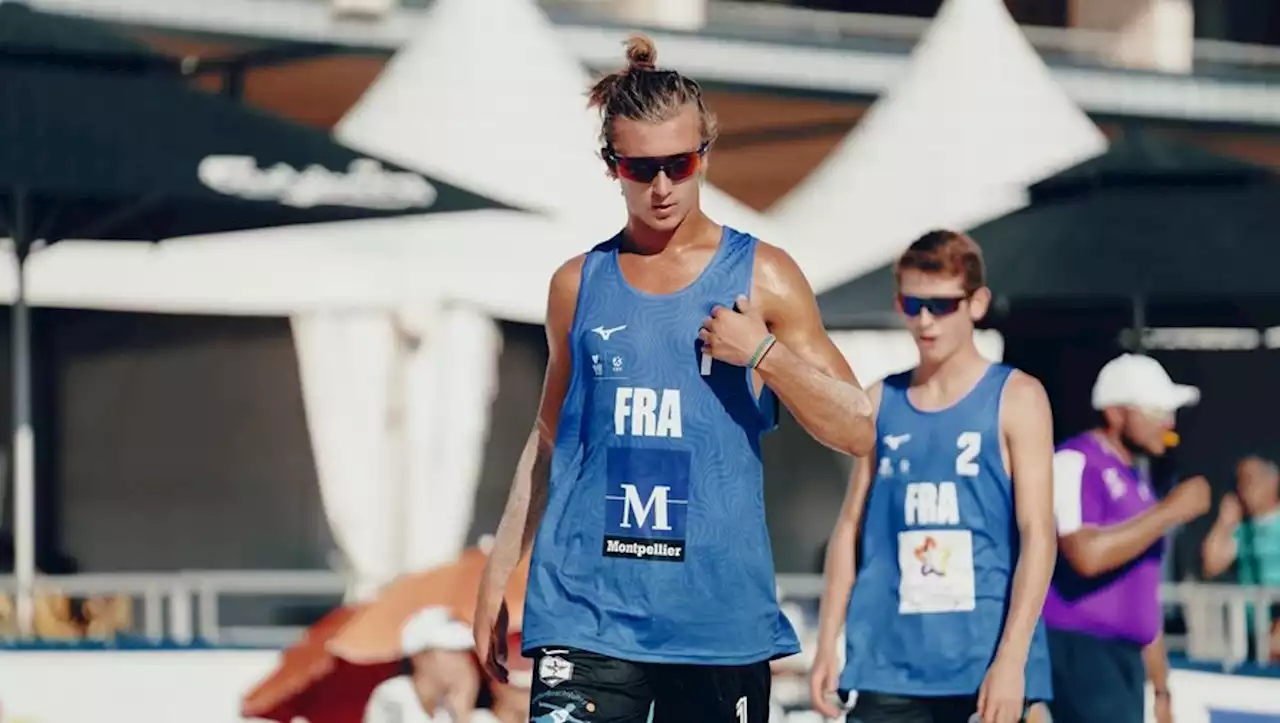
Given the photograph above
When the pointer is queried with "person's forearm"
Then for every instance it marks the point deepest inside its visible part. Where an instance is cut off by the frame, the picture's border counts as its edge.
(520, 519)
(838, 577)
(834, 412)
(1218, 550)
(1156, 660)
(1031, 578)
(1094, 551)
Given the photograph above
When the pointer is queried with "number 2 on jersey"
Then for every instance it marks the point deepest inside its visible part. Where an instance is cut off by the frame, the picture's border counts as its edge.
(970, 445)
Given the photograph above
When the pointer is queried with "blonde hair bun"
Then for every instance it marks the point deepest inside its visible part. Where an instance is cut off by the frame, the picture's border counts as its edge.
(641, 52)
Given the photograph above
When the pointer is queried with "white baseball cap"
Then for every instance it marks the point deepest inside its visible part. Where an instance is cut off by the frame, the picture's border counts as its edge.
(1135, 380)
(433, 628)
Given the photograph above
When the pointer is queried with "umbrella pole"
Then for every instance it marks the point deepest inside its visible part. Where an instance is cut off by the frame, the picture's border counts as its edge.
(23, 452)
(1139, 322)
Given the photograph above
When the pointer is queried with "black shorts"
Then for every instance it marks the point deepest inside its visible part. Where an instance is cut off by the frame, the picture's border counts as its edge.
(882, 708)
(574, 686)
(1095, 679)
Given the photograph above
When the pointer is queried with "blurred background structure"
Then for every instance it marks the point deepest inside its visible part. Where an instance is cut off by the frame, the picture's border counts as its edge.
(235, 433)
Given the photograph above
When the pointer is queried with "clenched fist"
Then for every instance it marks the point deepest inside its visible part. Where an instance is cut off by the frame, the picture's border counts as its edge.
(1190, 499)
(733, 336)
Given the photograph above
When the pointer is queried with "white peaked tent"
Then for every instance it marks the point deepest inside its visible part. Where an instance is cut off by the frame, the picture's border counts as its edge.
(974, 121)
(396, 385)
(399, 381)
(488, 97)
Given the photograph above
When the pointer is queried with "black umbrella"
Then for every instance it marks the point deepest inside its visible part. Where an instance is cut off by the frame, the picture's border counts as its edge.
(1151, 225)
(99, 141)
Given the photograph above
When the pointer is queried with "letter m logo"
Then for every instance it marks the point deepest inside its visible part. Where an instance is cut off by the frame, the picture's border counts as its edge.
(646, 494)
(637, 509)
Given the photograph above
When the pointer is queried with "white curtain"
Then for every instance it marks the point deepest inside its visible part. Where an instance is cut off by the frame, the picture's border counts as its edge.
(348, 365)
(450, 380)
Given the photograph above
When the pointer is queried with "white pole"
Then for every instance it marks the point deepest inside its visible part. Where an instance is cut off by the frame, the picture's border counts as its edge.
(24, 457)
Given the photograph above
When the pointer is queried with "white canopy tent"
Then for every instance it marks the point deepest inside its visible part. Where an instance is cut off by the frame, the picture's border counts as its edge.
(975, 120)
(175, 279)
(399, 453)
(397, 349)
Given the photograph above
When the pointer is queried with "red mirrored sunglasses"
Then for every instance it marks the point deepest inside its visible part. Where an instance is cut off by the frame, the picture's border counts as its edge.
(643, 169)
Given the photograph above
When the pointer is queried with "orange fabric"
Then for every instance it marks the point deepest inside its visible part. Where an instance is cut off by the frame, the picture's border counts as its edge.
(340, 696)
(292, 690)
(373, 636)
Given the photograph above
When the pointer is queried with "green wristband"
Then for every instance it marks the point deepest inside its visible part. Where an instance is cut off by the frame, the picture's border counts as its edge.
(765, 345)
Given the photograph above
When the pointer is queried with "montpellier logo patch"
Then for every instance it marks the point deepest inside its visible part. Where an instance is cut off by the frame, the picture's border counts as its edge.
(646, 504)
(554, 670)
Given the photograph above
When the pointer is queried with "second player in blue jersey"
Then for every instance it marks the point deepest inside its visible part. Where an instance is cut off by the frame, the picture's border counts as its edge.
(951, 519)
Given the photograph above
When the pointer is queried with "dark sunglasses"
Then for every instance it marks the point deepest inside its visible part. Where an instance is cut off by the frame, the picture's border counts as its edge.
(936, 305)
(643, 169)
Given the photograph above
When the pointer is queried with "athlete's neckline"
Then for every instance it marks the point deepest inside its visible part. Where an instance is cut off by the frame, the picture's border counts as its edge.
(688, 288)
(906, 393)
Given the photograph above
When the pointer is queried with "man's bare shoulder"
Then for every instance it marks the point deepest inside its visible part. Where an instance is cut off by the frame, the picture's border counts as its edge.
(776, 271)
(569, 275)
(1024, 399)
(562, 298)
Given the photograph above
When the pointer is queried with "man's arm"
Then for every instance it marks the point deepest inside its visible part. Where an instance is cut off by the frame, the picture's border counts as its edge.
(1156, 660)
(839, 571)
(805, 369)
(528, 497)
(1220, 548)
(1028, 425)
(1095, 549)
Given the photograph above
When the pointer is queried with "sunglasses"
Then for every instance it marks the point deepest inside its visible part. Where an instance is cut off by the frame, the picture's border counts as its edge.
(1155, 414)
(936, 305)
(643, 169)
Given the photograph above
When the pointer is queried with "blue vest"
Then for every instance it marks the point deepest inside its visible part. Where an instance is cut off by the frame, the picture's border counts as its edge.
(653, 547)
(938, 549)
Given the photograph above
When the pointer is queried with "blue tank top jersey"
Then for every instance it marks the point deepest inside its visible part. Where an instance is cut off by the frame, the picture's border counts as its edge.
(653, 547)
(938, 549)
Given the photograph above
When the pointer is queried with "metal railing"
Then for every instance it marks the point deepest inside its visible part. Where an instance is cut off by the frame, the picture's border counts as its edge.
(1225, 622)
(184, 606)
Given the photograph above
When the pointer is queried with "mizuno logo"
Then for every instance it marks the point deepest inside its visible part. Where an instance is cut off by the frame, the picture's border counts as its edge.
(893, 441)
(606, 333)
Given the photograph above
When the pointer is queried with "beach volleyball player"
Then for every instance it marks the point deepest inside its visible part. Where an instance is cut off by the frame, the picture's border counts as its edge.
(652, 588)
(951, 520)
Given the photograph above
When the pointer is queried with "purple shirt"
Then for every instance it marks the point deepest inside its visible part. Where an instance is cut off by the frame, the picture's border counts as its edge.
(1094, 487)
